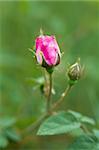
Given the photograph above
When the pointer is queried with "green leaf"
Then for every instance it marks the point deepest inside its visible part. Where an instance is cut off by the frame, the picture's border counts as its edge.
(13, 135)
(81, 118)
(85, 119)
(96, 133)
(3, 141)
(62, 122)
(6, 122)
(84, 142)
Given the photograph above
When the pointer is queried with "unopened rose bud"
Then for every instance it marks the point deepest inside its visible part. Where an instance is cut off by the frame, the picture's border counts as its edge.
(47, 51)
(74, 71)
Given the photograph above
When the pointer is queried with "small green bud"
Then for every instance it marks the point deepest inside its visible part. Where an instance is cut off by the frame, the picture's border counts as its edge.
(75, 71)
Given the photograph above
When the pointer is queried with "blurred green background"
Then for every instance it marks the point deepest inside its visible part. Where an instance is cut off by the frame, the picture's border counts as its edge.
(76, 27)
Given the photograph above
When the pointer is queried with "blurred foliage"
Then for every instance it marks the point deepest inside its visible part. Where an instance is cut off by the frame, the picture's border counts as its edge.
(85, 142)
(7, 132)
(76, 27)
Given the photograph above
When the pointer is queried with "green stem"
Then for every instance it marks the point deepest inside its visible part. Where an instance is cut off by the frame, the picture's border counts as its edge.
(49, 95)
(57, 104)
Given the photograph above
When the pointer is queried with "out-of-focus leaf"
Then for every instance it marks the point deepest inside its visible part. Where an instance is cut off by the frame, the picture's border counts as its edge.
(96, 133)
(12, 135)
(62, 122)
(6, 122)
(39, 80)
(3, 141)
(36, 83)
(84, 143)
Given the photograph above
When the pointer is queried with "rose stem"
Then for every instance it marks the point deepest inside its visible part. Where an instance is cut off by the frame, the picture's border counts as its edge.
(57, 104)
(49, 95)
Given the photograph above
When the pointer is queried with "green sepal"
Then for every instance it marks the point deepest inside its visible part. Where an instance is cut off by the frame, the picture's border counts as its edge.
(50, 69)
(72, 82)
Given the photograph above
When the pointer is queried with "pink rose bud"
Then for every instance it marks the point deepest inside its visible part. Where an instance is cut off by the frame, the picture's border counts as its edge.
(47, 51)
